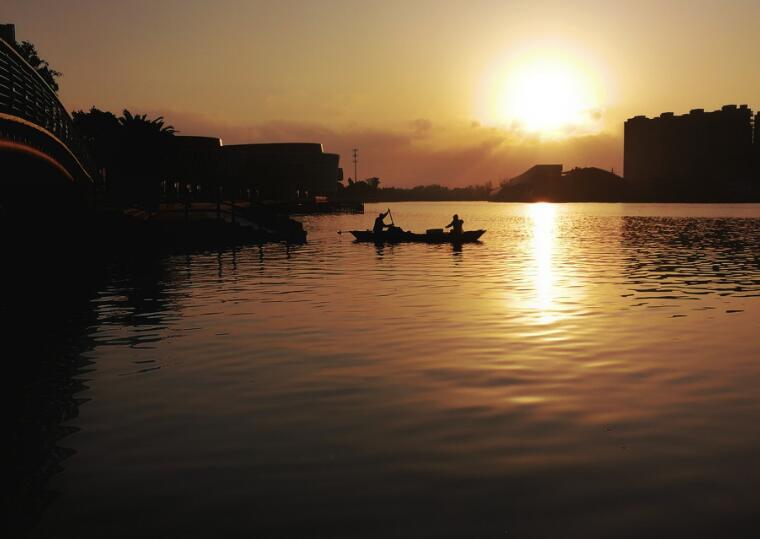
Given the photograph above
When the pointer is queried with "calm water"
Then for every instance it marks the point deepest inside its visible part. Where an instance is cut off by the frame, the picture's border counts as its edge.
(586, 371)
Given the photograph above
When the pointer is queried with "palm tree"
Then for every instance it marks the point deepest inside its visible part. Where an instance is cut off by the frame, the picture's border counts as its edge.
(146, 150)
(142, 123)
(101, 131)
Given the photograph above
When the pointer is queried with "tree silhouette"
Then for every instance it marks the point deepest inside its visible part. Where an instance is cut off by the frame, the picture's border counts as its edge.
(29, 52)
(370, 191)
(146, 151)
(135, 151)
(101, 131)
(141, 123)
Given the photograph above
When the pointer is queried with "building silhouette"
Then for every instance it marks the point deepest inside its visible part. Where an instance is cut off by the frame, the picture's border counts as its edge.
(756, 144)
(699, 152)
(550, 183)
(281, 171)
(8, 33)
(195, 163)
(268, 171)
(539, 174)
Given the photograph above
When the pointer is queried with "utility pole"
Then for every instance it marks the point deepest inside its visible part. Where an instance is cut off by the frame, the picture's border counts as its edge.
(355, 151)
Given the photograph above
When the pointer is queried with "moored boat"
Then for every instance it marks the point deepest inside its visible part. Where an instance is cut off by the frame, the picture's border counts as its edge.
(401, 236)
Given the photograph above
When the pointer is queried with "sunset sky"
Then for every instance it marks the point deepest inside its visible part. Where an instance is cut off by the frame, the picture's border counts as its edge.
(449, 92)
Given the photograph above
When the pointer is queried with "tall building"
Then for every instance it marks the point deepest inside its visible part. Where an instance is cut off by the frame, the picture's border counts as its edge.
(756, 145)
(700, 150)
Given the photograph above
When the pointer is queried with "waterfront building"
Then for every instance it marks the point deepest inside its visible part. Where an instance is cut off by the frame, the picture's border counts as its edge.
(270, 171)
(698, 151)
(196, 162)
(281, 171)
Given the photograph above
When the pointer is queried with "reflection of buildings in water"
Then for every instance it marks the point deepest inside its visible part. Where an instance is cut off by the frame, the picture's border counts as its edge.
(137, 296)
(55, 313)
(44, 384)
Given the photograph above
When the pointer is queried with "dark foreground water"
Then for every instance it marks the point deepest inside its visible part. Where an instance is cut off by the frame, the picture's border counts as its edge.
(587, 371)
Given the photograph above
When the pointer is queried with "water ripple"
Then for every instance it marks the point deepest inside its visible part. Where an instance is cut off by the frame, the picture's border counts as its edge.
(587, 370)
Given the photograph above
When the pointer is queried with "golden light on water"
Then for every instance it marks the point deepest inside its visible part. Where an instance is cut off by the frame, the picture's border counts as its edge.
(543, 217)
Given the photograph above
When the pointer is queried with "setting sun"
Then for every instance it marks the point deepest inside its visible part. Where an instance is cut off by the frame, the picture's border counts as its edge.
(551, 98)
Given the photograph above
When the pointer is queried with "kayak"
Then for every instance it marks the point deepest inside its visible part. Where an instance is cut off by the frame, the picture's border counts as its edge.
(399, 236)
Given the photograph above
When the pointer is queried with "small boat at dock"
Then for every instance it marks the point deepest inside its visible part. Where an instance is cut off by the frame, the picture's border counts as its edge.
(431, 236)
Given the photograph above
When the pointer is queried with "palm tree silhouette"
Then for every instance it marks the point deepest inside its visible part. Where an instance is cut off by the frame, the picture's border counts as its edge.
(147, 149)
(140, 122)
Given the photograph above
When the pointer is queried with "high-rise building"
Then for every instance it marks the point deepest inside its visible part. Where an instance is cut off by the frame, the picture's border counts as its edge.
(698, 150)
(756, 144)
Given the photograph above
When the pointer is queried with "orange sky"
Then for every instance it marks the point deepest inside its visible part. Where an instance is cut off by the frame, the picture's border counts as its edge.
(425, 89)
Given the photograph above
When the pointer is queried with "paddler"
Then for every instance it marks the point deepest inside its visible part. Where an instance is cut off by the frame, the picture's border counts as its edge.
(380, 223)
(456, 225)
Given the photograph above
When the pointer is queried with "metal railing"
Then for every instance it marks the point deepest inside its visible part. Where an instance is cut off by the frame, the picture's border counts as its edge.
(25, 95)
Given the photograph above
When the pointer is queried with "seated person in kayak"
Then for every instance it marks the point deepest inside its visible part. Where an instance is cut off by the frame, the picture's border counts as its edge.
(380, 223)
(456, 225)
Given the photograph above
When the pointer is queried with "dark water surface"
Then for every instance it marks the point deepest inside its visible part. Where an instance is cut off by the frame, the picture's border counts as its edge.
(586, 371)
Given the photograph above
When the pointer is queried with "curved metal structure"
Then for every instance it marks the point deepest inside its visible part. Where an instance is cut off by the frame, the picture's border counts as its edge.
(34, 124)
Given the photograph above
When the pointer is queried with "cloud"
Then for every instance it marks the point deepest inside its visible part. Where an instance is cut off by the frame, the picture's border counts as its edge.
(421, 126)
(420, 152)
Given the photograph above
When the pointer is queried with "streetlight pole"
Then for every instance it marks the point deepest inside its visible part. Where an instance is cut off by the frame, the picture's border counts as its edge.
(356, 160)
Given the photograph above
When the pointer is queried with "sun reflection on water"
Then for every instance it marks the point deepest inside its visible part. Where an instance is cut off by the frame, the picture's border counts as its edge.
(543, 218)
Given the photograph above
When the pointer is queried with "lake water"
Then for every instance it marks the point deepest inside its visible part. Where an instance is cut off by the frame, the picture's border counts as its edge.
(587, 370)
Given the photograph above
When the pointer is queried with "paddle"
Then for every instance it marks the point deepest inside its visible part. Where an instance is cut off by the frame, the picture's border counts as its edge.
(341, 232)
